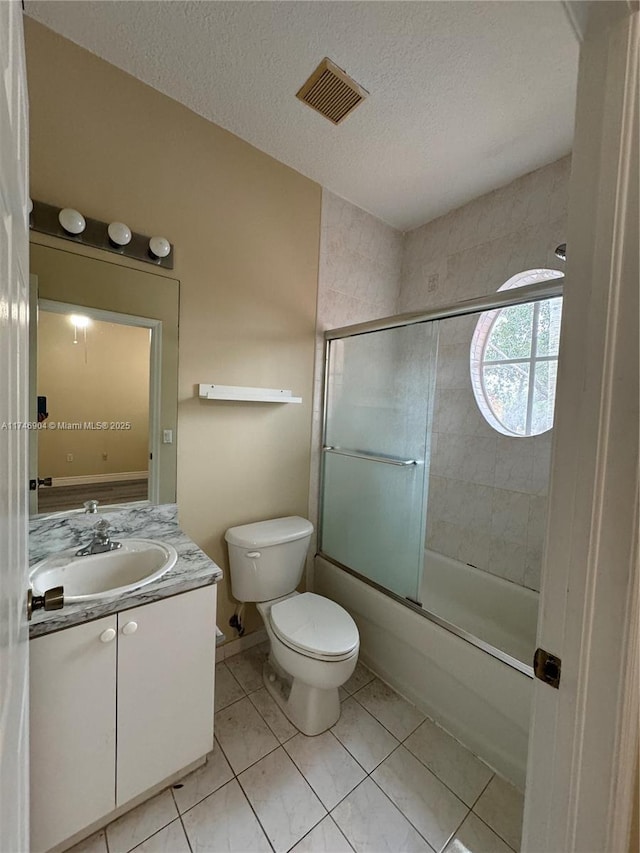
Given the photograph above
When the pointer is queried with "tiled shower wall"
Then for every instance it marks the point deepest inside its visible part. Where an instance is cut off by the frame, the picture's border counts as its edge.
(487, 496)
(358, 280)
(487, 492)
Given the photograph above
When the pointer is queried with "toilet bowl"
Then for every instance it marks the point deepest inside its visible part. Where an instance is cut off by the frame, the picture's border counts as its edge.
(314, 643)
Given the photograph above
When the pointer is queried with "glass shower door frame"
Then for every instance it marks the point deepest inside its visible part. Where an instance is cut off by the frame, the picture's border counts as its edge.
(395, 562)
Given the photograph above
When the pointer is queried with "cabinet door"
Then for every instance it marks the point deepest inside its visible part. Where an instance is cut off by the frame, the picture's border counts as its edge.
(166, 661)
(73, 733)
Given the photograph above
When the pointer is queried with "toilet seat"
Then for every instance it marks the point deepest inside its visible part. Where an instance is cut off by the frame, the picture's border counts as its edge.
(314, 626)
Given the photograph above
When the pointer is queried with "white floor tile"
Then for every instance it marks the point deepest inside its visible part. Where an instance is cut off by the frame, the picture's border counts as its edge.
(285, 805)
(225, 823)
(171, 839)
(324, 838)
(394, 712)
(203, 781)
(372, 824)
(247, 667)
(326, 765)
(362, 735)
(243, 734)
(94, 844)
(475, 837)
(272, 715)
(455, 765)
(361, 676)
(501, 806)
(227, 688)
(137, 825)
(421, 797)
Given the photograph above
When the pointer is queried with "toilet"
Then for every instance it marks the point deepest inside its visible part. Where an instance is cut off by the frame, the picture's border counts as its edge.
(314, 642)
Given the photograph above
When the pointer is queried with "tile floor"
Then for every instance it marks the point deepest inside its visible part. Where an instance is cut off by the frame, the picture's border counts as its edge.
(385, 778)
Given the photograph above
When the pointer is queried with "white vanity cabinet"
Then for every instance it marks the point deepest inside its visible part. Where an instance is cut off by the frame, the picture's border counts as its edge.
(72, 730)
(118, 705)
(166, 659)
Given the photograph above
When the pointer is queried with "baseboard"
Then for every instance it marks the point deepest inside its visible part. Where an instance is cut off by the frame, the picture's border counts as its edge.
(241, 644)
(93, 479)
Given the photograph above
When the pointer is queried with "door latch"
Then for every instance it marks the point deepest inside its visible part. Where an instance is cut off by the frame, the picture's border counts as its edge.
(53, 599)
(41, 481)
(547, 667)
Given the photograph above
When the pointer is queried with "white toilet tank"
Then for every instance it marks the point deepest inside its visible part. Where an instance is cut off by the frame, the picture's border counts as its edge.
(267, 558)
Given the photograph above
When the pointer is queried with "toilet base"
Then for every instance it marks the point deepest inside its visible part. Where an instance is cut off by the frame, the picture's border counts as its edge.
(312, 710)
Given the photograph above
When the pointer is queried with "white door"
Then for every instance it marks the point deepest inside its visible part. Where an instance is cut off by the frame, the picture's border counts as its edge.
(583, 745)
(14, 259)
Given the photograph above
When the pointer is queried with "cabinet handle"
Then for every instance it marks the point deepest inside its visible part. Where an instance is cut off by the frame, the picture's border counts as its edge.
(107, 635)
(130, 628)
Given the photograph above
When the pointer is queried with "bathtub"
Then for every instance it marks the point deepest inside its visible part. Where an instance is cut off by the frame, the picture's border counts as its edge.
(480, 698)
(500, 614)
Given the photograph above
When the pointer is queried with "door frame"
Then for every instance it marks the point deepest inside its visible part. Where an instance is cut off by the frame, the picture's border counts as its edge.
(583, 746)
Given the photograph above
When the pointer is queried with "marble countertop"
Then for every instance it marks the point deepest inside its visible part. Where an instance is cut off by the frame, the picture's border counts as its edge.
(52, 533)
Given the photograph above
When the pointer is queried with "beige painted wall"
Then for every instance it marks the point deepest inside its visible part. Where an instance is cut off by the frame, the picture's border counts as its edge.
(103, 379)
(246, 230)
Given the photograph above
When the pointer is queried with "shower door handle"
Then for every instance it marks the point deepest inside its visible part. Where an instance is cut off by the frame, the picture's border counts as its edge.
(371, 457)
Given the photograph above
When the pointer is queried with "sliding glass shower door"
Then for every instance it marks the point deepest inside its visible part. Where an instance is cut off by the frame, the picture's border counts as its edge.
(379, 401)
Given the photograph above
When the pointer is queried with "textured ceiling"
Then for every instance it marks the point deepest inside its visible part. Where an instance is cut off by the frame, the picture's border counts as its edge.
(465, 96)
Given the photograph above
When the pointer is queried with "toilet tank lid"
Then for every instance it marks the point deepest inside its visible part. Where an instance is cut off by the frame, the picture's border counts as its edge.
(261, 534)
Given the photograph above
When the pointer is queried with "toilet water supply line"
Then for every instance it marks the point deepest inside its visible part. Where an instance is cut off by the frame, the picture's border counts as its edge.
(236, 620)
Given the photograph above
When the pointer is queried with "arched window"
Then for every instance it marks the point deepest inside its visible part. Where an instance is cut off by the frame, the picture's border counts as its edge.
(514, 361)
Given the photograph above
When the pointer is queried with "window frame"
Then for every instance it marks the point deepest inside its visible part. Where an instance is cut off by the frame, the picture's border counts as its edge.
(480, 342)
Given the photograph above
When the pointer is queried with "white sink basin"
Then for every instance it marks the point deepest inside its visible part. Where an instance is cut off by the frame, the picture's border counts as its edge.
(135, 564)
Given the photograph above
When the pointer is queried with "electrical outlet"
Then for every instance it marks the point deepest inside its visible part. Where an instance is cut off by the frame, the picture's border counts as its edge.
(69, 457)
(432, 282)
(105, 456)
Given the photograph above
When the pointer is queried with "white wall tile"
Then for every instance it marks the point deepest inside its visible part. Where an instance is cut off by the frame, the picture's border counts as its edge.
(510, 515)
(369, 270)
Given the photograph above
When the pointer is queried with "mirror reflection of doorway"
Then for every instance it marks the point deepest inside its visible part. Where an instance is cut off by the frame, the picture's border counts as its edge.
(93, 386)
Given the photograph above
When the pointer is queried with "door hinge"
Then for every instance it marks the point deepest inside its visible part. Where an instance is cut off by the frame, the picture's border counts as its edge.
(547, 667)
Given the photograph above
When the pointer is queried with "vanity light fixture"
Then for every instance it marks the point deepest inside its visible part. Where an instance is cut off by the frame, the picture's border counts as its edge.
(159, 247)
(117, 237)
(72, 220)
(119, 233)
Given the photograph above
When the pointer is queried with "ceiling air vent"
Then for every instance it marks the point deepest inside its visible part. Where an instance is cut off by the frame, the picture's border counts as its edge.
(332, 92)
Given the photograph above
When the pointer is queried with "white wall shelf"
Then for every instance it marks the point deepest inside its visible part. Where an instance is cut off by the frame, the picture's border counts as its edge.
(240, 392)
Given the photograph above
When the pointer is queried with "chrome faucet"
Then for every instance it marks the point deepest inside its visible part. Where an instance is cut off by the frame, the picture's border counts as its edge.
(101, 541)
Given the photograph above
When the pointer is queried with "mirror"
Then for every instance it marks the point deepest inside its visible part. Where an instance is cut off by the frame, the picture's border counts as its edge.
(103, 382)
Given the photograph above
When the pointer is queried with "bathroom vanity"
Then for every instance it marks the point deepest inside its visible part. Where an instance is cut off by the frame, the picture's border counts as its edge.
(121, 688)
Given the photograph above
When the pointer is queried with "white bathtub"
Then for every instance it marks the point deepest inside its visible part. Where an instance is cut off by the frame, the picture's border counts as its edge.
(497, 612)
(481, 700)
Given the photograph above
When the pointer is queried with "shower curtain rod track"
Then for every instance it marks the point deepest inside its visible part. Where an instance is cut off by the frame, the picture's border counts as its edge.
(501, 299)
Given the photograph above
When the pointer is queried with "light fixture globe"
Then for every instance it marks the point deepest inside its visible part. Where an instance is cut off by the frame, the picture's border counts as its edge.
(72, 221)
(159, 247)
(119, 233)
